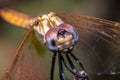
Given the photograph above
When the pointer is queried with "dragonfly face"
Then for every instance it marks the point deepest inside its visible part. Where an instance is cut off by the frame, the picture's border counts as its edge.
(57, 35)
(60, 40)
(98, 47)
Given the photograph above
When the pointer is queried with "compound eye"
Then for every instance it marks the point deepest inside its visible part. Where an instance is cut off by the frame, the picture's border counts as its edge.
(63, 36)
(63, 33)
(70, 29)
(66, 27)
(50, 39)
(53, 43)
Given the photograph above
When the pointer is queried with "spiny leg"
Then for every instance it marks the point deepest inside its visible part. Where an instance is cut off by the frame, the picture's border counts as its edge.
(66, 65)
(77, 60)
(71, 63)
(77, 73)
(62, 75)
(80, 73)
(53, 66)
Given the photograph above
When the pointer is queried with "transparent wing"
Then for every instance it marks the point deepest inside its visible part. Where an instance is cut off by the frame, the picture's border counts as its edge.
(27, 63)
(98, 47)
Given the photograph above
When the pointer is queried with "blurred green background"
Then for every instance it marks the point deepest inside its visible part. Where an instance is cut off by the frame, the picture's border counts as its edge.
(10, 35)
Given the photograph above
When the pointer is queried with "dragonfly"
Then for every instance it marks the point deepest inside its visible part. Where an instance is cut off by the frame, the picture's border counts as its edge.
(86, 47)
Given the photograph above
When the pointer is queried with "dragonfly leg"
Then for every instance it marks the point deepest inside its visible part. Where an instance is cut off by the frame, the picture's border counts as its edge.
(53, 66)
(77, 60)
(80, 73)
(62, 75)
(71, 63)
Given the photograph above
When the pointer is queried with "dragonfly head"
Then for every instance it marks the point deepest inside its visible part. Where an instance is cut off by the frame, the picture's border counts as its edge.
(62, 38)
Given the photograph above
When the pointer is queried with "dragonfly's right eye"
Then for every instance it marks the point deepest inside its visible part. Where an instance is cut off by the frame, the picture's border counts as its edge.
(53, 42)
(50, 39)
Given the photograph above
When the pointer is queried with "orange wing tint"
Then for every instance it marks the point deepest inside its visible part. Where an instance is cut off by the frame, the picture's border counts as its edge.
(16, 18)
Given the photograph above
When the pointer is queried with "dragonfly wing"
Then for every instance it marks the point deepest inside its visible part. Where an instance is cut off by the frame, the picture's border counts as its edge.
(99, 43)
(27, 63)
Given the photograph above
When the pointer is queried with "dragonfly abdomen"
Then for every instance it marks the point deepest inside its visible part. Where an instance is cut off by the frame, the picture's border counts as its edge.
(16, 18)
